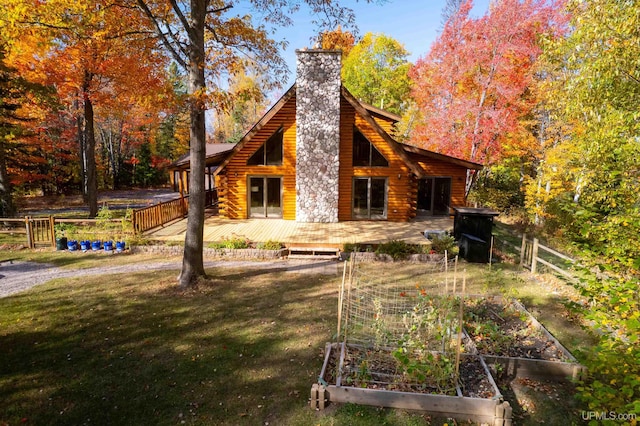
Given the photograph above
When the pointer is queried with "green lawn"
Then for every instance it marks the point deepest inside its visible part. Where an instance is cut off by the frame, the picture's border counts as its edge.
(243, 348)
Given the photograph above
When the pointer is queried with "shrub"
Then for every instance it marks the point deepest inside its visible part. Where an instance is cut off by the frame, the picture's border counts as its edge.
(270, 245)
(231, 243)
(397, 249)
(351, 247)
(444, 242)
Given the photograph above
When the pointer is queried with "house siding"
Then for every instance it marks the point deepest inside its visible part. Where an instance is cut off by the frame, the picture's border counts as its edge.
(233, 179)
(399, 204)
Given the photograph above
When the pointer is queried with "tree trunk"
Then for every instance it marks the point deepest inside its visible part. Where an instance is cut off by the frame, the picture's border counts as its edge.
(192, 261)
(82, 151)
(7, 208)
(90, 150)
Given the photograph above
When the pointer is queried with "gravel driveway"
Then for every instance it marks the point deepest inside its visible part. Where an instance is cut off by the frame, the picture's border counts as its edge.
(17, 276)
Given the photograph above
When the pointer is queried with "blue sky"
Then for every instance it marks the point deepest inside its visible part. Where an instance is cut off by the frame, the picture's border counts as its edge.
(414, 23)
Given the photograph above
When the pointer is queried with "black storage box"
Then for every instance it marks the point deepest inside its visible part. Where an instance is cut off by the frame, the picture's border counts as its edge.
(472, 228)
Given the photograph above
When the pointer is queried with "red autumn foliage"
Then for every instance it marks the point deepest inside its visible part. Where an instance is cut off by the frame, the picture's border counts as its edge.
(473, 88)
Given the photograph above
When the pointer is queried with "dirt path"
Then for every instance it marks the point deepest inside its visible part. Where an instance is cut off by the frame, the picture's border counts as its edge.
(18, 276)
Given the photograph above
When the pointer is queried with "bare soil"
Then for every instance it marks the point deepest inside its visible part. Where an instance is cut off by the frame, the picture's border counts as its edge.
(500, 329)
(377, 369)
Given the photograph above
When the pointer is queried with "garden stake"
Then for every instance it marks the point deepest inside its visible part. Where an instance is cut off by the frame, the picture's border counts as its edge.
(340, 299)
(455, 274)
(446, 273)
(464, 282)
(491, 253)
(346, 319)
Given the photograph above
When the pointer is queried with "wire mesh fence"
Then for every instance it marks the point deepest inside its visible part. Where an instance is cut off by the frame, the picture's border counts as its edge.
(405, 336)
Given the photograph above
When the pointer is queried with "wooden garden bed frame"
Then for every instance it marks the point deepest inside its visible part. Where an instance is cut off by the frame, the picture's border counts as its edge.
(493, 411)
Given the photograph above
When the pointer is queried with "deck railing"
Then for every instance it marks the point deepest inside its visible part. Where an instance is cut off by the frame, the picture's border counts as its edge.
(159, 214)
(165, 212)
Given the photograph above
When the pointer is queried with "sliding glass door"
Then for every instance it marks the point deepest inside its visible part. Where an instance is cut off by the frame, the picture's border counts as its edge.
(434, 196)
(265, 196)
(369, 198)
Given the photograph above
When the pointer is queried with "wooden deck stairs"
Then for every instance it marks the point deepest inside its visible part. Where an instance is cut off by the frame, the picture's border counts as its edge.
(311, 252)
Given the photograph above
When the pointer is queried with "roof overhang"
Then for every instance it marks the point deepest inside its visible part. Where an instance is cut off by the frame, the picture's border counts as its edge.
(442, 157)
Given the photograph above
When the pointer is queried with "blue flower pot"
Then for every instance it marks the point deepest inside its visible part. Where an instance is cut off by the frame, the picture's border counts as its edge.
(96, 245)
(120, 246)
(72, 245)
(85, 245)
(108, 246)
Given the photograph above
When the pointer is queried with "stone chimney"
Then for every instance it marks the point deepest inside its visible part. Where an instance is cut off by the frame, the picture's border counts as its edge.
(317, 135)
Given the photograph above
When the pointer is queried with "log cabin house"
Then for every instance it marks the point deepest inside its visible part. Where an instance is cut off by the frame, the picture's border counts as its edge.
(320, 155)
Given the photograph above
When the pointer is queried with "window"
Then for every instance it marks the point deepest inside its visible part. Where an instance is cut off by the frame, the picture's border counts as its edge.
(365, 154)
(270, 153)
(369, 198)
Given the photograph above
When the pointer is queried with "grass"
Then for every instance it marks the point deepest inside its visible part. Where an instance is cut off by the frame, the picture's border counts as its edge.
(243, 348)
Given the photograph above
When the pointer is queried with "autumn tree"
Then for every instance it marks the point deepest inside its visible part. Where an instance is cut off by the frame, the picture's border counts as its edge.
(473, 87)
(172, 134)
(250, 103)
(451, 7)
(205, 35)
(338, 39)
(589, 177)
(589, 185)
(91, 53)
(9, 104)
(376, 72)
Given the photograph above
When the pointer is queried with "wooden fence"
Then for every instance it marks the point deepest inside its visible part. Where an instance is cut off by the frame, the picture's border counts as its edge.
(41, 231)
(533, 254)
(38, 231)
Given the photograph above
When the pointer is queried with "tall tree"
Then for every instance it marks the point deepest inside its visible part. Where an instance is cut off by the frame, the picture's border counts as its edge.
(590, 179)
(91, 52)
(376, 72)
(9, 104)
(473, 88)
(206, 35)
(338, 39)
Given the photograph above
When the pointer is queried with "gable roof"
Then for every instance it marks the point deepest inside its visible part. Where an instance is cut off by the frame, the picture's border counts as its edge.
(381, 112)
(442, 157)
(259, 125)
(395, 146)
(366, 111)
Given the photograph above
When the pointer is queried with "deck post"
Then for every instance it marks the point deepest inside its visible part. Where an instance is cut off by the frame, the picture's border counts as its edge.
(29, 226)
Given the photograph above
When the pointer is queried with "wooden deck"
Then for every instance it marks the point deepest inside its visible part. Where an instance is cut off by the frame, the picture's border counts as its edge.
(293, 233)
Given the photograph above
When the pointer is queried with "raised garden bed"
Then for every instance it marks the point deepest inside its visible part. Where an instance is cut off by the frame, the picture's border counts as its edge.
(514, 343)
(441, 344)
(473, 396)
